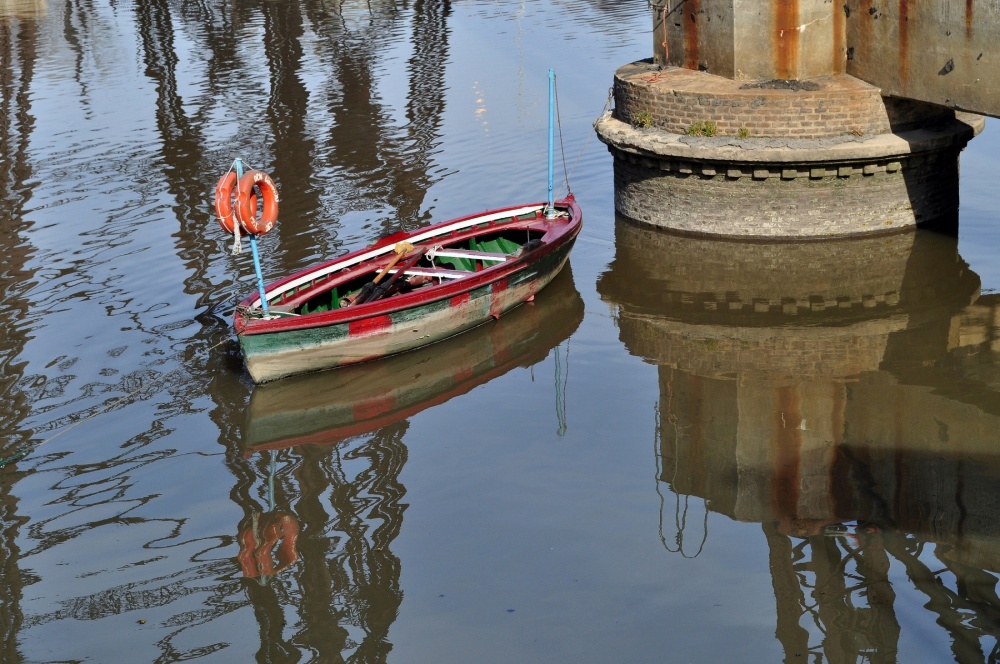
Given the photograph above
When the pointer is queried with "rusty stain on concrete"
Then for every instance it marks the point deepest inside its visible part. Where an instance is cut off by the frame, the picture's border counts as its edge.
(787, 450)
(904, 42)
(692, 12)
(786, 47)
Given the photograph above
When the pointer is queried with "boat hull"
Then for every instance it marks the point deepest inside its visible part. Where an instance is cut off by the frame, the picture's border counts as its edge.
(275, 350)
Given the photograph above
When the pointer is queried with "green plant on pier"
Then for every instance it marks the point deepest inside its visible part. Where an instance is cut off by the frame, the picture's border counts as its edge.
(703, 128)
(742, 132)
(642, 120)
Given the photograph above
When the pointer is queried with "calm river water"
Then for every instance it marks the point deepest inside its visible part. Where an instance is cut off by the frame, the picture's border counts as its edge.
(683, 451)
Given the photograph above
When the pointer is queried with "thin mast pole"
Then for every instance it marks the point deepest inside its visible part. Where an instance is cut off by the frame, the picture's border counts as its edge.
(550, 211)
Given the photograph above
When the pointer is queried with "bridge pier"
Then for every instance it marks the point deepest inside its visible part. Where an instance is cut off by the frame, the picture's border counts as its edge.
(713, 136)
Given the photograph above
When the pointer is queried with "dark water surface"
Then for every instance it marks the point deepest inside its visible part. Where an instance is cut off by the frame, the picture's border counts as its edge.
(683, 451)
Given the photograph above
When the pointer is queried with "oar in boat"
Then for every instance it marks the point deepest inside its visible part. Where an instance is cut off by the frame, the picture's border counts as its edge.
(383, 288)
(401, 249)
(375, 290)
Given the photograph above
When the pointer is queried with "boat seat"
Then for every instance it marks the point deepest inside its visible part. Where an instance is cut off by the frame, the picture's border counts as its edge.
(493, 256)
(437, 272)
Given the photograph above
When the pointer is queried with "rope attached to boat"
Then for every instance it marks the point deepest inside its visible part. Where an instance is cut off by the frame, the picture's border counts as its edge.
(562, 145)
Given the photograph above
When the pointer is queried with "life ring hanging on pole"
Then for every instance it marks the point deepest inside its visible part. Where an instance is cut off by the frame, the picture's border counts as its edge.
(246, 202)
(224, 201)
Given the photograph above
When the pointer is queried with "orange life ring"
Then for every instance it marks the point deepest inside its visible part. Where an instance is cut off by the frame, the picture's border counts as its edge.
(246, 202)
(259, 558)
(224, 201)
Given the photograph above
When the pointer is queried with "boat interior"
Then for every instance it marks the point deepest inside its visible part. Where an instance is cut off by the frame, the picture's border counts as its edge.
(423, 266)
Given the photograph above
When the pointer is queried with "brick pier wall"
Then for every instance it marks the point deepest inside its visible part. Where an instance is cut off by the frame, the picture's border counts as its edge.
(675, 99)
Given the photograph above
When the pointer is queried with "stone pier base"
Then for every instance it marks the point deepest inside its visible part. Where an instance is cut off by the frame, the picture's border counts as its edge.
(828, 157)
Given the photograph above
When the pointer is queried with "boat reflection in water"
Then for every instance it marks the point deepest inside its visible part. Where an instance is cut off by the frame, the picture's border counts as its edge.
(331, 446)
(845, 395)
(331, 406)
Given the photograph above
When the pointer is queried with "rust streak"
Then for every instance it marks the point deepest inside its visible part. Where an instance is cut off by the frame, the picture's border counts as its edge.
(904, 42)
(969, 13)
(786, 35)
(787, 453)
(691, 16)
(838, 417)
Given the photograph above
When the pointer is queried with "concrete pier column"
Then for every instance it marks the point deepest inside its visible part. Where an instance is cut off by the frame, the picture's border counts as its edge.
(756, 41)
(744, 124)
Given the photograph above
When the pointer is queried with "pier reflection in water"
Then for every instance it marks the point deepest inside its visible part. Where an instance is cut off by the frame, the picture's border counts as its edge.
(843, 395)
(329, 448)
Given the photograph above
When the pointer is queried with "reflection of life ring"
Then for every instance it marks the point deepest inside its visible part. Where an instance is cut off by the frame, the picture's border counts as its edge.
(224, 201)
(246, 202)
(257, 543)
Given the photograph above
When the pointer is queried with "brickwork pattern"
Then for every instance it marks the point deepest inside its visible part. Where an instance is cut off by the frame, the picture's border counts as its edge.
(674, 100)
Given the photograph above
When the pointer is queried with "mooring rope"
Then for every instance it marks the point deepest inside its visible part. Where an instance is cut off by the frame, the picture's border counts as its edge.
(562, 145)
(27, 448)
(568, 172)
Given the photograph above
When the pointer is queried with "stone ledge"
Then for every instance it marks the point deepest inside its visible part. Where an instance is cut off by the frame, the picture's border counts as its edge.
(657, 143)
(732, 171)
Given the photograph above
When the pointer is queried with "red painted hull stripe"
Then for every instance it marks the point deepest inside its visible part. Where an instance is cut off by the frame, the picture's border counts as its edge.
(365, 326)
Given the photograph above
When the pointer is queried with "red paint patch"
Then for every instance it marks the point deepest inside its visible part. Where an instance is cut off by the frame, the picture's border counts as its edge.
(786, 38)
(364, 326)
(458, 300)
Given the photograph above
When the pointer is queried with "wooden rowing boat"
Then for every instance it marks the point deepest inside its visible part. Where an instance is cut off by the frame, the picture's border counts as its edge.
(330, 407)
(406, 291)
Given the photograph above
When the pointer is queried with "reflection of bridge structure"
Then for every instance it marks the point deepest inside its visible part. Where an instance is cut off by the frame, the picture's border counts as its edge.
(393, 165)
(843, 395)
(347, 499)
